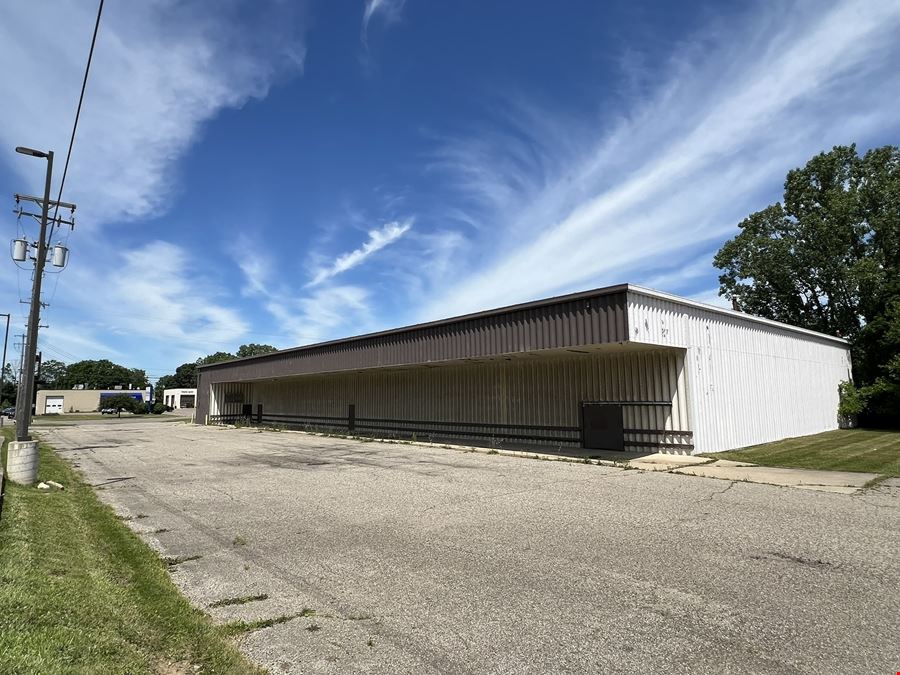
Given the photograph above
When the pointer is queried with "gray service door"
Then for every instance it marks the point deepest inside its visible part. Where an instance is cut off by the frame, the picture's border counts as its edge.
(602, 426)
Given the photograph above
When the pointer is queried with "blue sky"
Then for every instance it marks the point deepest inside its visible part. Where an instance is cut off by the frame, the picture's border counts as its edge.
(288, 172)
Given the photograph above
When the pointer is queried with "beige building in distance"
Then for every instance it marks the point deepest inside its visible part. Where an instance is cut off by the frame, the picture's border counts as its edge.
(59, 401)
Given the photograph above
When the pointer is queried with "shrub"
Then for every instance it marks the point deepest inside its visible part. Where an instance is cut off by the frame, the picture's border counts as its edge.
(852, 400)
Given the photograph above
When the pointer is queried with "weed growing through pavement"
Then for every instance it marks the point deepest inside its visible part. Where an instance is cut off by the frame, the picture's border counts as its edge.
(240, 627)
(874, 482)
(239, 541)
(172, 561)
(227, 602)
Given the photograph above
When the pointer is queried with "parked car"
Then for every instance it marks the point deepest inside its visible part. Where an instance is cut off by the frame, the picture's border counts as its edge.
(109, 411)
(9, 412)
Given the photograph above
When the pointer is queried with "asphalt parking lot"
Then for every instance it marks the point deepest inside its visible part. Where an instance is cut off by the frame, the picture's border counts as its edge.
(402, 558)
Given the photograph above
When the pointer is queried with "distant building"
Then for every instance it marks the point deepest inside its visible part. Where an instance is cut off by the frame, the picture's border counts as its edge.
(180, 398)
(618, 368)
(58, 401)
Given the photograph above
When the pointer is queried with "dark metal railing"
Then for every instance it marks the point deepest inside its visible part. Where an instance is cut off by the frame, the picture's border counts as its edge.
(432, 429)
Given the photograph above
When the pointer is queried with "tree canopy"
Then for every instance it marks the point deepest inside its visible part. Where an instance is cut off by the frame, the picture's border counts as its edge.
(254, 349)
(53, 373)
(215, 358)
(828, 259)
(10, 384)
(102, 374)
(185, 376)
(121, 402)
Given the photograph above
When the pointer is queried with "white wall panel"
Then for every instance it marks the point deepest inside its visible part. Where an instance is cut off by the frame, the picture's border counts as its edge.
(749, 381)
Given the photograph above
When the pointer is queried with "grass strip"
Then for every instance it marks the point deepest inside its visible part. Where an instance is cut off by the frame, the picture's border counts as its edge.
(862, 450)
(80, 592)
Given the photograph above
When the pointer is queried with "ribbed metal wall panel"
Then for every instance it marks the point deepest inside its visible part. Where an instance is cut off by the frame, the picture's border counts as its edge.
(228, 398)
(750, 382)
(592, 318)
(545, 391)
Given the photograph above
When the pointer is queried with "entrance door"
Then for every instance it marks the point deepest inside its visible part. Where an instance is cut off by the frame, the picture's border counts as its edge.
(602, 426)
(54, 405)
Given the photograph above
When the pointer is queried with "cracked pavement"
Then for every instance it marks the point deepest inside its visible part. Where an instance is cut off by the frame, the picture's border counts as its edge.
(402, 558)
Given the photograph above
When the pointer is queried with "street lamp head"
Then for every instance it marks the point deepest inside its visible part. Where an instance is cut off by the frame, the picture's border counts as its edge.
(29, 151)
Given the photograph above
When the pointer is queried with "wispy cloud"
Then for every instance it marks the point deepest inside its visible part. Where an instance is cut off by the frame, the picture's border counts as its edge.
(320, 313)
(334, 311)
(388, 10)
(161, 70)
(153, 296)
(672, 174)
(378, 239)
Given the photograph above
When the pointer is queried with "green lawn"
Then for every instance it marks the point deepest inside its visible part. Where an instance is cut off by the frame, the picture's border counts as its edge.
(80, 592)
(864, 450)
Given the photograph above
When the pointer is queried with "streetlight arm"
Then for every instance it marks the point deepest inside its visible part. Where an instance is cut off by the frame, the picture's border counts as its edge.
(34, 153)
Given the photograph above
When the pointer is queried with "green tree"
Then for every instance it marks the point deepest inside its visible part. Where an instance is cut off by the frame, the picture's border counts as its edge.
(10, 387)
(53, 373)
(828, 259)
(103, 374)
(254, 349)
(215, 358)
(122, 402)
(185, 376)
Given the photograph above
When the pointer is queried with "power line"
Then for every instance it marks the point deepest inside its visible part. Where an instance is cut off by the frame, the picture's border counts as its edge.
(87, 71)
(66, 356)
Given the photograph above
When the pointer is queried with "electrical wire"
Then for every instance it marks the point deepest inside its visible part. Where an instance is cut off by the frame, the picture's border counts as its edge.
(58, 350)
(87, 71)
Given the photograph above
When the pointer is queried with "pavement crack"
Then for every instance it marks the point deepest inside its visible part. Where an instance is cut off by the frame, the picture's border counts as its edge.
(730, 485)
(113, 480)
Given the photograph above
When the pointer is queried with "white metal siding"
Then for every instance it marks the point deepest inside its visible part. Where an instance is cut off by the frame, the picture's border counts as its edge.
(749, 382)
(527, 390)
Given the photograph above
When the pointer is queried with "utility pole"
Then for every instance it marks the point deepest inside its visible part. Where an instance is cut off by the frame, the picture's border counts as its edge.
(26, 385)
(3, 367)
(20, 345)
(22, 454)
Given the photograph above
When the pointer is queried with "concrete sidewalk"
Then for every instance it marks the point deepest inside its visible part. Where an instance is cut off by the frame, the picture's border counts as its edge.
(843, 482)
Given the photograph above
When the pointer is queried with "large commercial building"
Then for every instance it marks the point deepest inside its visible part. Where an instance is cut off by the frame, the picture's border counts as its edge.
(619, 368)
